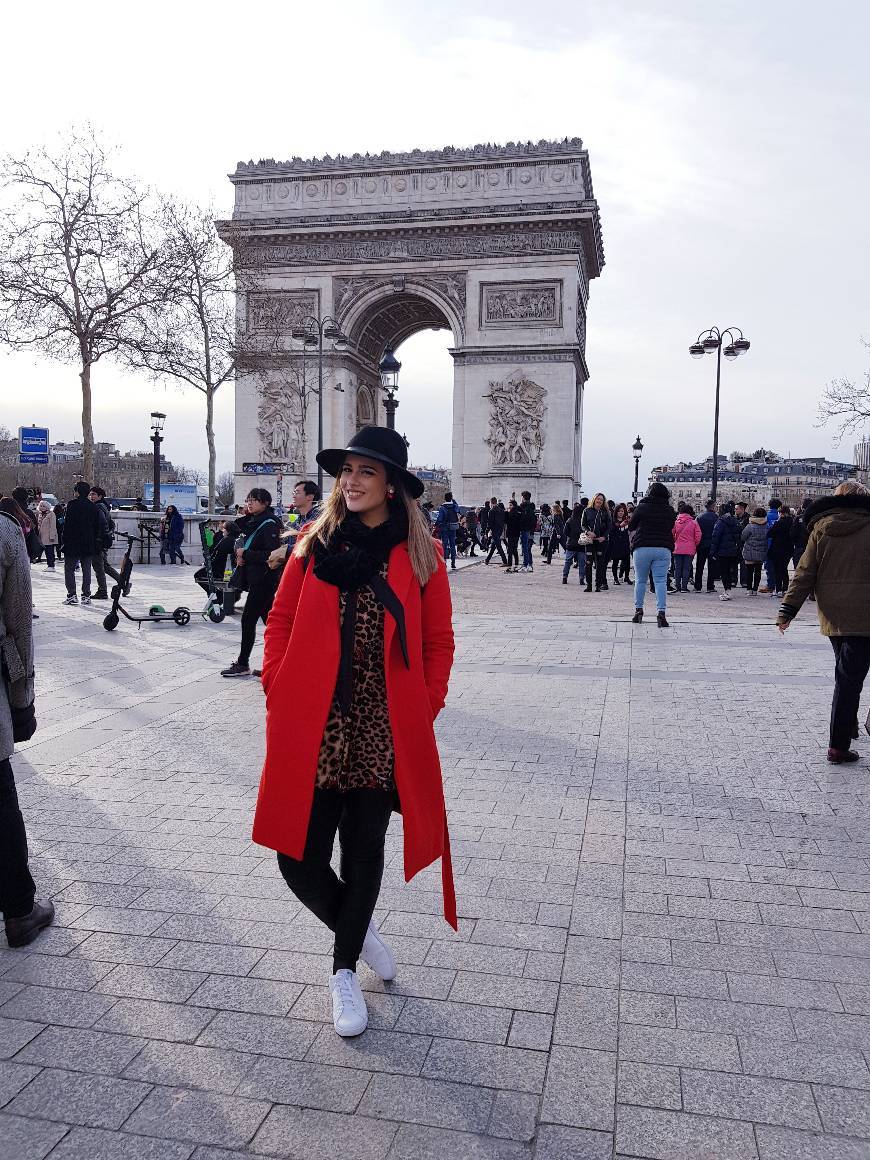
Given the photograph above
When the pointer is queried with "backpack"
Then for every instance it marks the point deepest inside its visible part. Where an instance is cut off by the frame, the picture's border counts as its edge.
(451, 520)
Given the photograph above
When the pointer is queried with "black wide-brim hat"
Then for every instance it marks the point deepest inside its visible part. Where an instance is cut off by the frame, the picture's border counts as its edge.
(378, 443)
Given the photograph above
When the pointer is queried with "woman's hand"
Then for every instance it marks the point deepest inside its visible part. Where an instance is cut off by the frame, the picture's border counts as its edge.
(278, 557)
(240, 556)
(782, 625)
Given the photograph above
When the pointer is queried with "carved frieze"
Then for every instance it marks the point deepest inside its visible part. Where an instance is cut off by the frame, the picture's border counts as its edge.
(280, 421)
(515, 150)
(519, 304)
(401, 248)
(516, 421)
(278, 311)
(346, 291)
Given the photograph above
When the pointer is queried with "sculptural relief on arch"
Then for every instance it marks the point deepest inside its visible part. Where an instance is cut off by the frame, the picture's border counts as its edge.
(496, 244)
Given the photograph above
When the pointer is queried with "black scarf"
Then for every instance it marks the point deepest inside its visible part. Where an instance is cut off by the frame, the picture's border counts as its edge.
(351, 560)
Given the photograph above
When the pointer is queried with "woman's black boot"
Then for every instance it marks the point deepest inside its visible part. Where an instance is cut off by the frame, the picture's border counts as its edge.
(663, 621)
(638, 616)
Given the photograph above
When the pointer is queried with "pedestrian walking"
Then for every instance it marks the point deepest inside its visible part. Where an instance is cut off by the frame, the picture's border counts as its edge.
(725, 549)
(754, 548)
(24, 917)
(619, 550)
(596, 524)
(706, 522)
(172, 535)
(360, 638)
(48, 532)
(81, 533)
(496, 526)
(100, 559)
(575, 547)
(59, 519)
(687, 537)
(557, 536)
(836, 565)
(513, 530)
(259, 532)
(447, 525)
(651, 536)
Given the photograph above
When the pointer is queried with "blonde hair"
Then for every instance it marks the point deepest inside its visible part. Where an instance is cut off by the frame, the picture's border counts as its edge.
(851, 487)
(421, 547)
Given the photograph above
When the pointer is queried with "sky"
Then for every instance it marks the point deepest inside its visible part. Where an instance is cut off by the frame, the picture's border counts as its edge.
(729, 154)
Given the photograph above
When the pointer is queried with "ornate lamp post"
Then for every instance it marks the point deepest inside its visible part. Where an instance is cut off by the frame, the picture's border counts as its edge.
(157, 421)
(312, 333)
(389, 367)
(708, 342)
(637, 449)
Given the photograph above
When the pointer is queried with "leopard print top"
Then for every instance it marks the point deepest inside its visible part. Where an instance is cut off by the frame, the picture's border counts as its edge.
(357, 750)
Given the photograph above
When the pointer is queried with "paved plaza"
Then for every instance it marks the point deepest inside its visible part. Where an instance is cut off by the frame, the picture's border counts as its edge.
(663, 888)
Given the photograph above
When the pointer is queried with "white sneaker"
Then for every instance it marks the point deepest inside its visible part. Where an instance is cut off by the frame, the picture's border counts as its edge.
(349, 1013)
(725, 596)
(377, 955)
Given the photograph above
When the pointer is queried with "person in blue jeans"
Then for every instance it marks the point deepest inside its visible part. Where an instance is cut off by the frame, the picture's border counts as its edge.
(527, 529)
(574, 550)
(447, 525)
(651, 537)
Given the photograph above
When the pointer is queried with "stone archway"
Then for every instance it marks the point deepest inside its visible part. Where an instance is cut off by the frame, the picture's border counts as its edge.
(495, 243)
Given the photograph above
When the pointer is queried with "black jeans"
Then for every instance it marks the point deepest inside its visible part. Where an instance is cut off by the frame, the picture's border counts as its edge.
(345, 904)
(727, 566)
(780, 572)
(701, 558)
(596, 557)
(69, 574)
(495, 546)
(257, 605)
(513, 553)
(853, 663)
(101, 566)
(753, 574)
(621, 567)
(17, 890)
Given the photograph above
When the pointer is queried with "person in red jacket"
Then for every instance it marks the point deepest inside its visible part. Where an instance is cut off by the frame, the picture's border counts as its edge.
(358, 653)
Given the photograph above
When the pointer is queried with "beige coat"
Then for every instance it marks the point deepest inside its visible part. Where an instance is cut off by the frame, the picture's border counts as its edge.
(48, 528)
(836, 566)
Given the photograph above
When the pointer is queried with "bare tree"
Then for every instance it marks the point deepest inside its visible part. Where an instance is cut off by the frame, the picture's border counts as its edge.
(846, 401)
(190, 475)
(226, 488)
(80, 258)
(191, 336)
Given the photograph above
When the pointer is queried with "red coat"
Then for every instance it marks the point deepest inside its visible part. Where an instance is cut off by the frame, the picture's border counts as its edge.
(300, 668)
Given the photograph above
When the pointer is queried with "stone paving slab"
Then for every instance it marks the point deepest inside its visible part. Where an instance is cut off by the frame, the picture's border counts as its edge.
(664, 890)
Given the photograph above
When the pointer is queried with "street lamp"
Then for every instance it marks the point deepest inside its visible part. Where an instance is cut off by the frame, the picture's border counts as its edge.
(312, 333)
(157, 421)
(637, 448)
(732, 344)
(389, 368)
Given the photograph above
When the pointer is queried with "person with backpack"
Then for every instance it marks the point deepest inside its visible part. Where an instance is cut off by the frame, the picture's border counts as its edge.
(447, 525)
(100, 559)
(359, 649)
(259, 536)
(81, 537)
(24, 916)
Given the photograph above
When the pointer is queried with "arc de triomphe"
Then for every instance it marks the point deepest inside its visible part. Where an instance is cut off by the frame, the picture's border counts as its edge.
(495, 243)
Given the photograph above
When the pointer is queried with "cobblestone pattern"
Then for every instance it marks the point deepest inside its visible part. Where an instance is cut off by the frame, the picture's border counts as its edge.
(664, 896)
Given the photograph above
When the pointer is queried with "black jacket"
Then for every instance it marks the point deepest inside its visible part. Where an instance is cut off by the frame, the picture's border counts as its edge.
(497, 519)
(706, 522)
(82, 527)
(619, 548)
(726, 537)
(800, 533)
(597, 522)
(514, 522)
(652, 521)
(573, 528)
(266, 531)
(529, 516)
(779, 536)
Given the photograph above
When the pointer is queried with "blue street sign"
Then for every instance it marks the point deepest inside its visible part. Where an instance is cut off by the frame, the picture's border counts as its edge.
(33, 445)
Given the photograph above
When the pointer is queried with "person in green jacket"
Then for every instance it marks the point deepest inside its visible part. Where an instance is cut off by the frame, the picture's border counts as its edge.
(836, 566)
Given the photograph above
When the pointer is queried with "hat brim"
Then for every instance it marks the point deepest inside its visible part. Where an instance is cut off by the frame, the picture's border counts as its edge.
(331, 459)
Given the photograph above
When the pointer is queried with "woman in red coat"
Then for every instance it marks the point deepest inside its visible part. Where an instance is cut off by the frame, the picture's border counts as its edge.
(358, 652)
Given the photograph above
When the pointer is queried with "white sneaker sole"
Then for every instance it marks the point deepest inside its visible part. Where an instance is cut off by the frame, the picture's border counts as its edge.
(377, 956)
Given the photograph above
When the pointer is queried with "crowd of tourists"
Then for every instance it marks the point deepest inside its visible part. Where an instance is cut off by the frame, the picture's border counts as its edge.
(356, 598)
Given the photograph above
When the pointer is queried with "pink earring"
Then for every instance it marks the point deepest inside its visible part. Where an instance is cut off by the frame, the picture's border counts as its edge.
(391, 491)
